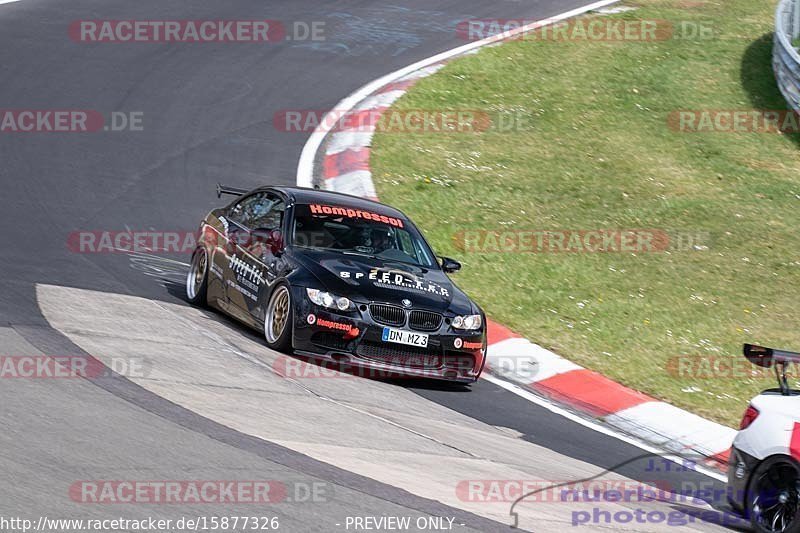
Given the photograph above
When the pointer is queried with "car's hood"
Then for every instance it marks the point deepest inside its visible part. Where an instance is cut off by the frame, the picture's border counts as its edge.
(363, 279)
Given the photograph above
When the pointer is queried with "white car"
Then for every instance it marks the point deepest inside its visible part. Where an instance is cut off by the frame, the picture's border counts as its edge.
(764, 467)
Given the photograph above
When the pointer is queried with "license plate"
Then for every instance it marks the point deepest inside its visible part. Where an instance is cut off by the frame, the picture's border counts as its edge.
(405, 337)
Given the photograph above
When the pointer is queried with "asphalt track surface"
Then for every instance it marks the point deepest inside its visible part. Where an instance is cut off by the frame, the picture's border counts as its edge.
(207, 117)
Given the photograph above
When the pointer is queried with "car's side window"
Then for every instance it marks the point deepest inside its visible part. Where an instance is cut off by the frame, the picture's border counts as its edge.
(260, 210)
(406, 245)
(243, 211)
(422, 255)
(269, 214)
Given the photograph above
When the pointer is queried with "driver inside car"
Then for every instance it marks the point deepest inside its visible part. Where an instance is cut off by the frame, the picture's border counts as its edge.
(380, 240)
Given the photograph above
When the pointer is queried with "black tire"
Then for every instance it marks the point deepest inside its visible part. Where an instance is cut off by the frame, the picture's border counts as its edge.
(197, 279)
(773, 496)
(278, 319)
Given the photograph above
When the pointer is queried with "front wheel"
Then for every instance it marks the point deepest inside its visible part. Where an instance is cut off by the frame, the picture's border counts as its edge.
(197, 279)
(773, 500)
(278, 319)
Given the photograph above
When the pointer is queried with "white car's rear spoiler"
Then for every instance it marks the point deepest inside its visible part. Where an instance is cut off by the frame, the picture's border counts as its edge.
(766, 357)
(770, 357)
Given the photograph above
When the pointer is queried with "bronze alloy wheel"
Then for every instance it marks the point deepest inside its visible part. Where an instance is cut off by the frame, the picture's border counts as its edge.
(278, 313)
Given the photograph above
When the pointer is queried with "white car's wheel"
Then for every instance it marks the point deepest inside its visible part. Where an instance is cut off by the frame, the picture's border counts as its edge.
(773, 501)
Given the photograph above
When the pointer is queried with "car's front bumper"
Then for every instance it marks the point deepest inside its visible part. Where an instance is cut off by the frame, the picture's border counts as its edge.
(355, 340)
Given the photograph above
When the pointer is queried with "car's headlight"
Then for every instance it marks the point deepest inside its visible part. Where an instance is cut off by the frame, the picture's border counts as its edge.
(467, 322)
(331, 301)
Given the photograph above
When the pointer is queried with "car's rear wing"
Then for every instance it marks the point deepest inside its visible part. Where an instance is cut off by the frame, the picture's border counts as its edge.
(766, 357)
(233, 191)
(770, 357)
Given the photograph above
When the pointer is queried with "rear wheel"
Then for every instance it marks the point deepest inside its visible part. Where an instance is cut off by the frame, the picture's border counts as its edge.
(278, 319)
(197, 279)
(773, 500)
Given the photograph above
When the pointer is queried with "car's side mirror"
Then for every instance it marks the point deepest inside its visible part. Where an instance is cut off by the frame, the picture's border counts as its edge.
(450, 265)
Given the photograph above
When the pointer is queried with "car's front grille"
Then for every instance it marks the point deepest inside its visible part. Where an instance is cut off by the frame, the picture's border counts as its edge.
(389, 315)
(404, 356)
(424, 320)
(392, 315)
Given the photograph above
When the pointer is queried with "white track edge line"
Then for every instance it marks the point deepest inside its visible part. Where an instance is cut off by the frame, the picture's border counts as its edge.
(555, 409)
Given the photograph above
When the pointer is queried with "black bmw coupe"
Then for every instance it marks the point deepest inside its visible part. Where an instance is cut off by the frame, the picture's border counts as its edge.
(337, 278)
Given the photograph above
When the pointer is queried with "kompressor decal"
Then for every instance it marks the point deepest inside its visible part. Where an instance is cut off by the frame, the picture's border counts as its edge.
(340, 326)
(397, 279)
(317, 209)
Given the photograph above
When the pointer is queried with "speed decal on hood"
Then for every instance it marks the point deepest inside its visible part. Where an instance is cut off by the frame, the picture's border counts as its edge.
(397, 279)
(318, 209)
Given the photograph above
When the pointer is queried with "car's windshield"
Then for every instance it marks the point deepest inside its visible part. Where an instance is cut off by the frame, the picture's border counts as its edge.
(356, 231)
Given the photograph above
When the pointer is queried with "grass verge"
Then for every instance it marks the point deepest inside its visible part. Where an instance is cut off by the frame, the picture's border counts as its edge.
(598, 151)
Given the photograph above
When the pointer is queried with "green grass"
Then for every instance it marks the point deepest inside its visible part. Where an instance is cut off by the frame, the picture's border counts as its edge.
(597, 154)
